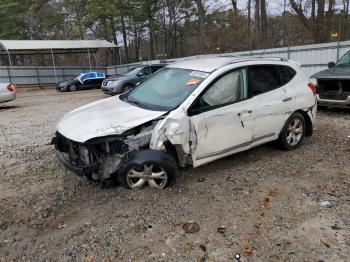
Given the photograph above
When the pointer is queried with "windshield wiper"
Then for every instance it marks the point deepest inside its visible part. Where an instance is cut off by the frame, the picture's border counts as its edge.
(139, 104)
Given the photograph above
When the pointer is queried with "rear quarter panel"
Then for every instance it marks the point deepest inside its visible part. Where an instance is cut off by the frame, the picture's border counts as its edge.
(304, 97)
(5, 94)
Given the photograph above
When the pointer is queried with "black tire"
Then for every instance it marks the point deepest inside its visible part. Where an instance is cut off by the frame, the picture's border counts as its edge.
(284, 139)
(140, 159)
(72, 88)
(127, 88)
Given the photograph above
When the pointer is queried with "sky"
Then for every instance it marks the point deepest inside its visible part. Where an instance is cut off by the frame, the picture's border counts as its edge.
(274, 7)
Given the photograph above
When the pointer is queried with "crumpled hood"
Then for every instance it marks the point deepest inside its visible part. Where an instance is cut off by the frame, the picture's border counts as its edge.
(336, 72)
(106, 117)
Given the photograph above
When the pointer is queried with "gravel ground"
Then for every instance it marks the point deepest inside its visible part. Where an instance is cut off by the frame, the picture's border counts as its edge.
(268, 204)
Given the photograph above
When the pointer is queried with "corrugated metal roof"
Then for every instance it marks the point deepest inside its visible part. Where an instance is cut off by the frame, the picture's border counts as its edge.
(54, 44)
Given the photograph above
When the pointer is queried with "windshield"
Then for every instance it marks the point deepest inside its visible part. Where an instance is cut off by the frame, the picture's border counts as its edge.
(166, 89)
(134, 72)
(344, 60)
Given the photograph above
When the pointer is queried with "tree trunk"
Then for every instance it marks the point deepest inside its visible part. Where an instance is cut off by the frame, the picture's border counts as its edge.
(304, 20)
(151, 44)
(125, 40)
(137, 45)
(344, 20)
(202, 32)
(234, 6)
(329, 25)
(313, 10)
(115, 41)
(257, 24)
(249, 24)
(263, 23)
(320, 35)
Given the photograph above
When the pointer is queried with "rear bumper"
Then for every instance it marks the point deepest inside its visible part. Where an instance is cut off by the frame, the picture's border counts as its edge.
(334, 102)
(7, 97)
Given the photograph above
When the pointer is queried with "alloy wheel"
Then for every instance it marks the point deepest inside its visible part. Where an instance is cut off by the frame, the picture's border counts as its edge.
(294, 132)
(153, 175)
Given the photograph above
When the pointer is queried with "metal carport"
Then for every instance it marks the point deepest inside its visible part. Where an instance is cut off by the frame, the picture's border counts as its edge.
(51, 47)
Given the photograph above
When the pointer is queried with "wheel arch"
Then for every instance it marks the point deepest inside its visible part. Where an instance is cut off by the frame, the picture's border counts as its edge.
(171, 150)
(309, 126)
(128, 83)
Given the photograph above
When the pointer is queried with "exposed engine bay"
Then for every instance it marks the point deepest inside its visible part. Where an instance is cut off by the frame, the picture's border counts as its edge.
(100, 158)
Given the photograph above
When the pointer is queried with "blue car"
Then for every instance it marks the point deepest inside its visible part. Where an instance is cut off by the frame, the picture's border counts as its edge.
(83, 81)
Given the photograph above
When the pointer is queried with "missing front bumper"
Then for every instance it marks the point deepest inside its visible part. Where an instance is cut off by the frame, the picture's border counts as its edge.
(78, 170)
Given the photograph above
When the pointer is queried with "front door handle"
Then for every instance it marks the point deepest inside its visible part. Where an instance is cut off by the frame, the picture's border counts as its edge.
(287, 99)
(245, 112)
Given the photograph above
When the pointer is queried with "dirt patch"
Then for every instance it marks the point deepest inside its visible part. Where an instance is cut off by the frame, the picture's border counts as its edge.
(263, 204)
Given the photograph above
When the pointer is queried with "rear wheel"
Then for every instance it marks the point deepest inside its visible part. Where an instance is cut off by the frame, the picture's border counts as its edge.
(127, 88)
(293, 132)
(154, 168)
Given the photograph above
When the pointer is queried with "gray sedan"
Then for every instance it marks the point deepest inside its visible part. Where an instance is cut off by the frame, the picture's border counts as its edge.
(7, 92)
(122, 83)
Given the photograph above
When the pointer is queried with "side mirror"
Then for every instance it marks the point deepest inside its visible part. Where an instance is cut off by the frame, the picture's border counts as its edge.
(140, 74)
(331, 64)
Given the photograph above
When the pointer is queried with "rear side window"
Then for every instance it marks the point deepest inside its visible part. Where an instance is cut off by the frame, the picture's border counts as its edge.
(100, 75)
(287, 74)
(262, 78)
(88, 76)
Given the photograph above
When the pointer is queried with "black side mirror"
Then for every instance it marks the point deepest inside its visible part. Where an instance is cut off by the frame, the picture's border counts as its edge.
(331, 64)
(140, 74)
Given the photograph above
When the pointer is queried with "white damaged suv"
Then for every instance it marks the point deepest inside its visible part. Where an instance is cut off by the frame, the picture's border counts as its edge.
(187, 114)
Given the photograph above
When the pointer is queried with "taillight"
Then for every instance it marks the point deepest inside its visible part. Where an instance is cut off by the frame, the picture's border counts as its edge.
(11, 88)
(312, 87)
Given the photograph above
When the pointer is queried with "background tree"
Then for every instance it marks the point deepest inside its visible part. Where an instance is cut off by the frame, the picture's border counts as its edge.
(159, 29)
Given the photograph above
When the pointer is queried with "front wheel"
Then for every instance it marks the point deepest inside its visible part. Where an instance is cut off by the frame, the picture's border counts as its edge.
(154, 168)
(72, 88)
(127, 88)
(293, 132)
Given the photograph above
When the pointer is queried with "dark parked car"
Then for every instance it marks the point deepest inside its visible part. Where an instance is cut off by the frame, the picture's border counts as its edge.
(82, 82)
(120, 84)
(333, 84)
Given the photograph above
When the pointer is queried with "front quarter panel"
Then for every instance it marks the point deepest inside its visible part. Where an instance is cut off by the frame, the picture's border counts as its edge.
(175, 129)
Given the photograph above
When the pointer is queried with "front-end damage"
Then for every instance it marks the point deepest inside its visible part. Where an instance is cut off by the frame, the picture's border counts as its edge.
(100, 158)
(176, 136)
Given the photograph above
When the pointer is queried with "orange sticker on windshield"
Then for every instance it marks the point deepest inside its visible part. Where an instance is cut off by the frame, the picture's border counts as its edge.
(192, 82)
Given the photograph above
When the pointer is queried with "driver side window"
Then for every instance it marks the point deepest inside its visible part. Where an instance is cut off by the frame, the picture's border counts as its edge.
(228, 89)
(146, 71)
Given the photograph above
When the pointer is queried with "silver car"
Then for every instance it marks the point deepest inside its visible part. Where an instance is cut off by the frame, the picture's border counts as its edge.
(7, 92)
(123, 83)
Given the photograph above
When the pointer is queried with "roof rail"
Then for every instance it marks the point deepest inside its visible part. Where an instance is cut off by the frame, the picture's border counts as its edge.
(255, 57)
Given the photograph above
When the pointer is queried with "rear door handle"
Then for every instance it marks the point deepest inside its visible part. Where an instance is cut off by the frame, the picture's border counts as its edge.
(287, 99)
